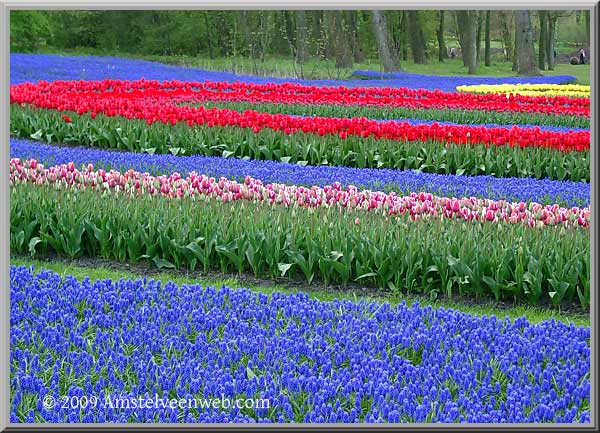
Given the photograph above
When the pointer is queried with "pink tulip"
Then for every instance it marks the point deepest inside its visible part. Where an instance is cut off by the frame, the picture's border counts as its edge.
(417, 204)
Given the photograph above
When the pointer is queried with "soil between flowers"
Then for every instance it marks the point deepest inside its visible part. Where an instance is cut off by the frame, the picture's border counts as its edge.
(317, 286)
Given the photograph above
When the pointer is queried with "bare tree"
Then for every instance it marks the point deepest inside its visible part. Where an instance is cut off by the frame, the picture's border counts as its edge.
(467, 27)
(388, 59)
(526, 52)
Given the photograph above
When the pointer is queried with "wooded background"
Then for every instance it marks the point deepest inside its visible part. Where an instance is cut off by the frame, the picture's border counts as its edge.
(528, 39)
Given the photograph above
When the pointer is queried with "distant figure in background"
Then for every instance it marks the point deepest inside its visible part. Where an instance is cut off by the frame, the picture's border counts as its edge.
(452, 53)
(582, 56)
(554, 55)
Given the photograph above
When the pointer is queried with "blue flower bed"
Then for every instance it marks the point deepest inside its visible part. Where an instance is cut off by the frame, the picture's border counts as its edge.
(50, 67)
(450, 82)
(514, 189)
(313, 361)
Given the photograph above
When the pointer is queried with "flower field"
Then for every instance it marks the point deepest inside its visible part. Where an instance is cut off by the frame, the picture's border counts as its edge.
(317, 362)
(442, 187)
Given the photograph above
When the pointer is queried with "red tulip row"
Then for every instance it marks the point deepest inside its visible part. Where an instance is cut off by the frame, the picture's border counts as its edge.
(155, 105)
(417, 205)
(289, 93)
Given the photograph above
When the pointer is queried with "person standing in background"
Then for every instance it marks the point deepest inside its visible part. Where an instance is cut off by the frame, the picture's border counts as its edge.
(582, 56)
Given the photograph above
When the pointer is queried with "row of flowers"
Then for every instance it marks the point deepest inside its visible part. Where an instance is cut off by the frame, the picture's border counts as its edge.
(450, 82)
(551, 90)
(312, 361)
(290, 93)
(417, 205)
(158, 106)
(545, 191)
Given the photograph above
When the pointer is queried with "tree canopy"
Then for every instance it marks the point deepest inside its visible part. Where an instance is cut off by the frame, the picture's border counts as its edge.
(349, 36)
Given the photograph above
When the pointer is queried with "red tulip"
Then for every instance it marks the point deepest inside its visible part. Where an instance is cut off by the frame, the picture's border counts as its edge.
(154, 101)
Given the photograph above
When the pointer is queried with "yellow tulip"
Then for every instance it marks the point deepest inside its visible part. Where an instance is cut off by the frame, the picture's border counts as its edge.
(570, 90)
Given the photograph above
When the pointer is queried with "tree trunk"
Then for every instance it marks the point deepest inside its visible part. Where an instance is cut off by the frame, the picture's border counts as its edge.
(396, 33)
(386, 56)
(443, 51)
(288, 38)
(417, 41)
(587, 27)
(357, 52)
(208, 38)
(328, 30)
(343, 52)
(245, 27)
(226, 40)
(404, 36)
(506, 38)
(264, 41)
(247, 31)
(488, 42)
(467, 21)
(542, 40)
(526, 53)
(515, 57)
(289, 28)
(316, 38)
(479, 32)
(301, 44)
(551, 23)
(461, 31)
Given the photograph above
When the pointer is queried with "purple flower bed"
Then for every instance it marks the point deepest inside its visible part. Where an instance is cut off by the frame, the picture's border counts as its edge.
(513, 189)
(50, 67)
(313, 361)
(450, 82)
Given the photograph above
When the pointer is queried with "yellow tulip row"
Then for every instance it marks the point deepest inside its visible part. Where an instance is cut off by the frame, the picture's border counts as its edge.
(574, 90)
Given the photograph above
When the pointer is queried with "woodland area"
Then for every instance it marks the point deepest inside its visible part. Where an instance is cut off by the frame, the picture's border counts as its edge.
(526, 38)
